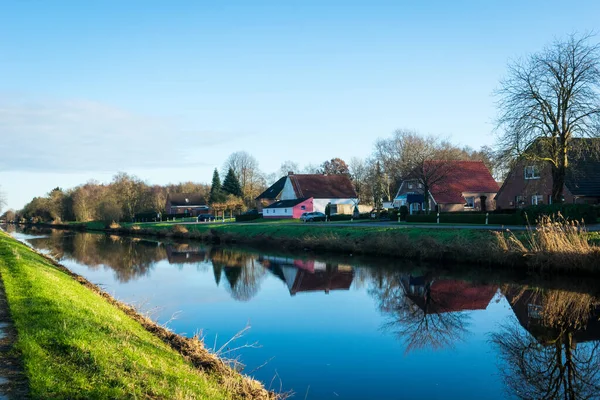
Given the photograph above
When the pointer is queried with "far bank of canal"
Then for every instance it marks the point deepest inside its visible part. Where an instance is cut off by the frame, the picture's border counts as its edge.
(552, 246)
(348, 327)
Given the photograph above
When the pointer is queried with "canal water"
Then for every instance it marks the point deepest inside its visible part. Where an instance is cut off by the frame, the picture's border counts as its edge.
(350, 328)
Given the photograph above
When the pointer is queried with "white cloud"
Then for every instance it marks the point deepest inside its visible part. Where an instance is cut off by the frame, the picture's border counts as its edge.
(77, 136)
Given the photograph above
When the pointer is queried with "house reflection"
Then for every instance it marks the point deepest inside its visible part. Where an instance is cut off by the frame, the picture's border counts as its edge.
(445, 295)
(426, 312)
(557, 354)
(533, 310)
(309, 275)
(186, 253)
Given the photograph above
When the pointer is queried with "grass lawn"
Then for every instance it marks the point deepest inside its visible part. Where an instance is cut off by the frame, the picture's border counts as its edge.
(77, 345)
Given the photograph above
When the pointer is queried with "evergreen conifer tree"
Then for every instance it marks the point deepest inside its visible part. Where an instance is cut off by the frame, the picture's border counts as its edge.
(231, 184)
(216, 192)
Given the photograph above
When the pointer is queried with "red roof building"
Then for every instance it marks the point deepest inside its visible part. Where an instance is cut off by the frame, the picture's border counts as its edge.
(454, 186)
(323, 189)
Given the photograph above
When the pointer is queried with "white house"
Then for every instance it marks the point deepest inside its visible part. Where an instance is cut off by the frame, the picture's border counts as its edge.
(323, 189)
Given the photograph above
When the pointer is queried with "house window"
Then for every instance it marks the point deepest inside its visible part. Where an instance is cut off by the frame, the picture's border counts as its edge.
(333, 209)
(285, 210)
(420, 186)
(520, 200)
(303, 208)
(537, 199)
(532, 172)
(469, 202)
(410, 185)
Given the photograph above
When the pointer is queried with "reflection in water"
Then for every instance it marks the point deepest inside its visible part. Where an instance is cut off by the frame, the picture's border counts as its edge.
(129, 258)
(426, 312)
(550, 349)
(557, 355)
(309, 275)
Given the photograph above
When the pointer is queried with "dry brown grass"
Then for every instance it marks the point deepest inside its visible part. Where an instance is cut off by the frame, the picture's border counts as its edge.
(114, 225)
(179, 229)
(554, 242)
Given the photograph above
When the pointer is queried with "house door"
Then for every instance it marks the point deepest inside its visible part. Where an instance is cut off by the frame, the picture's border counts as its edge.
(414, 207)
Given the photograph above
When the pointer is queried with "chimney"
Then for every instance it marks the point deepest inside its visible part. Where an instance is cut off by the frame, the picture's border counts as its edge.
(290, 173)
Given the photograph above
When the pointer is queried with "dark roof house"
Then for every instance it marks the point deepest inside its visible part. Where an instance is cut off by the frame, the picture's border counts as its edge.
(530, 181)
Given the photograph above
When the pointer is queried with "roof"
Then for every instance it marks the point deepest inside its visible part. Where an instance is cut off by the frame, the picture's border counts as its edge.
(321, 281)
(286, 203)
(454, 296)
(323, 186)
(186, 199)
(583, 174)
(465, 176)
(273, 191)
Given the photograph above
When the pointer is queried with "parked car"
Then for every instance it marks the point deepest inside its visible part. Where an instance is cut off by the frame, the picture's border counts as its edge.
(312, 216)
(205, 217)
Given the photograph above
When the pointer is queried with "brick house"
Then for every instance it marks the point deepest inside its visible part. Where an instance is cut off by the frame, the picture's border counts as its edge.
(464, 186)
(186, 203)
(530, 182)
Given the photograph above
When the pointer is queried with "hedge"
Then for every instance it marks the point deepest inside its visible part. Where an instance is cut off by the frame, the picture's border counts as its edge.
(577, 212)
(467, 218)
(247, 217)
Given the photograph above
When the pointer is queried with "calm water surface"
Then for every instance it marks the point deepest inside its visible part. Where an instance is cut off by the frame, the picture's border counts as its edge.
(345, 328)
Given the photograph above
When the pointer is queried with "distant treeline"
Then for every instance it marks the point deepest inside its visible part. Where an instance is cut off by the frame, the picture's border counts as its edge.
(375, 179)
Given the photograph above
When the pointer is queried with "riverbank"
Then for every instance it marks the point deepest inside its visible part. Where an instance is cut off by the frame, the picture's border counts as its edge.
(76, 341)
(562, 248)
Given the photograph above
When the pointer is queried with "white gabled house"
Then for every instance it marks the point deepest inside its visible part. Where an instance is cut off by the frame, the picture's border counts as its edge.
(322, 189)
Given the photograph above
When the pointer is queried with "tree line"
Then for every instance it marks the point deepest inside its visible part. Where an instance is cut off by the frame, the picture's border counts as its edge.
(546, 100)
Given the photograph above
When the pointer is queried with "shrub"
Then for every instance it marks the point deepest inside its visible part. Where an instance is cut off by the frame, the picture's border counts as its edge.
(573, 212)
(340, 217)
(403, 213)
(114, 225)
(247, 217)
(179, 229)
(421, 218)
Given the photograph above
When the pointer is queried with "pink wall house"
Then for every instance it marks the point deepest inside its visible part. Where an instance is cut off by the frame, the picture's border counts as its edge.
(288, 208)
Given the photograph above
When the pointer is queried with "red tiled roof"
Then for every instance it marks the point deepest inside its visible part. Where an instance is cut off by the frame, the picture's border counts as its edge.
(322, 281)
(464, 176)
(455, 296)
(323, 186)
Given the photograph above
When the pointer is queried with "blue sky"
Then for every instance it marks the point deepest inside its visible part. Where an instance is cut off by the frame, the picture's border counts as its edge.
(167, 90)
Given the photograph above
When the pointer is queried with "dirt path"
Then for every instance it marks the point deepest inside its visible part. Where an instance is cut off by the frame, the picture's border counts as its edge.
(13, 382)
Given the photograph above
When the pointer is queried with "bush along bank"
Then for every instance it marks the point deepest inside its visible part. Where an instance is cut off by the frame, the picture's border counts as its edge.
(504, 249)
(78, 342)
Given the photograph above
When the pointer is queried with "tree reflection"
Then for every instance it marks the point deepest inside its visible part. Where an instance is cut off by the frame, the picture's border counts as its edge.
(241, 270)
(557, 355)
(129, 258)
(427, 313)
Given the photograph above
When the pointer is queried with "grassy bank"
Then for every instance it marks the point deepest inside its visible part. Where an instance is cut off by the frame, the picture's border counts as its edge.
(77, 342)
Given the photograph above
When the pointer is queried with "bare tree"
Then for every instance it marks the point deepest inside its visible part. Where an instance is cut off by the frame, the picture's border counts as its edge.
(547, 100)
(311, 169)
(245, 167)
(335, 166)
(426, 159)
(288, 166)
(2, 200)
(359, 172)
(427, 325)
